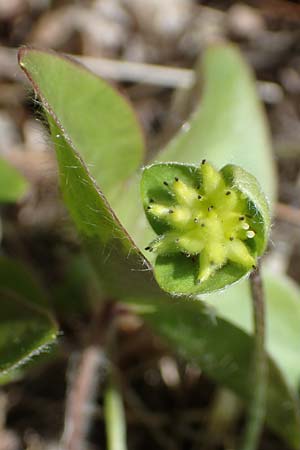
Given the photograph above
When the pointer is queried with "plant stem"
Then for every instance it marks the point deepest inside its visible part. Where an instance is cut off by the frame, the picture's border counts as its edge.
(257, 408)
(114, 416)
(82, 388)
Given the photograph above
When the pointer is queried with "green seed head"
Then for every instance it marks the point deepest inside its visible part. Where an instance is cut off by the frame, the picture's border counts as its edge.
(202, 215)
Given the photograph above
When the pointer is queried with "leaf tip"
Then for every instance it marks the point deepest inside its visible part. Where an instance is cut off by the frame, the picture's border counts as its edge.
(22, 52)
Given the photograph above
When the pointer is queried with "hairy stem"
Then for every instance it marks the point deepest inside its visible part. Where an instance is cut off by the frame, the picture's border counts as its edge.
(257, 408)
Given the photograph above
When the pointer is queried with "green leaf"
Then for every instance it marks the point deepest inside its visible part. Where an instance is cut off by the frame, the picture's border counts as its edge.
(17, 278)
(37, 360)
(211, 225)
(25, 331)
(12, 185)
(283, 318)
(228, 125)
(77, 289)
(117, 260)
(26, 327)
(104, 237)
(94, 117)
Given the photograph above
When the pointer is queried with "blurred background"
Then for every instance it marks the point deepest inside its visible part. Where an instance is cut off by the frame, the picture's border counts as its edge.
(147, 48)
(111, 36)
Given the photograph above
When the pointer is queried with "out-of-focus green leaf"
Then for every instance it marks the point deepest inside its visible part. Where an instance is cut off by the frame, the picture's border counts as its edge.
(12, 185)
(36, 361)
(17, 278)
(96, 118)
(228, 125)
(77, 289)
(25, 330)
(26, 327)
(282, 316)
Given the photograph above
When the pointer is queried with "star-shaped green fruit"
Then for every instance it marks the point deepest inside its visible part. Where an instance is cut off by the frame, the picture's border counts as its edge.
(211, 225)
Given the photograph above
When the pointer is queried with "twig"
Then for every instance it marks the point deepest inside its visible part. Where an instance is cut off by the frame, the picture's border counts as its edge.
(112, 69)
(84, 379)
(257, 408)
(78, 407)
(139, 72)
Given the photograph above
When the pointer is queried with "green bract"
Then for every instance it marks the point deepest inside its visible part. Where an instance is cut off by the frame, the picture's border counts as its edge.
(211, 225)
